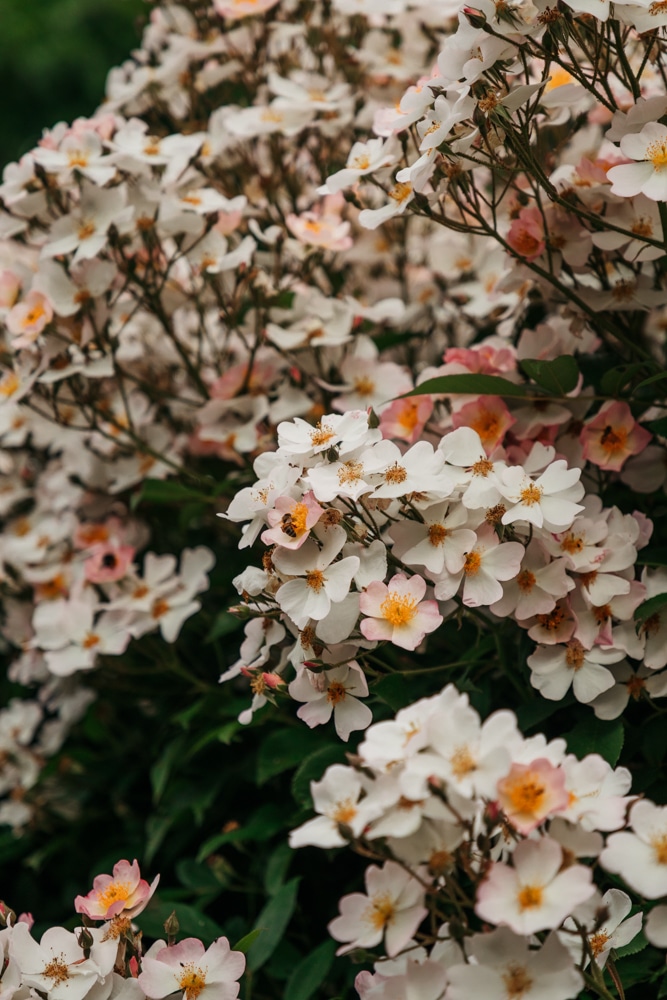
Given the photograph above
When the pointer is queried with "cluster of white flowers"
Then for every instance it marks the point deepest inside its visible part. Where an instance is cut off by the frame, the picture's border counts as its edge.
(369, 543)
(198, 262)
(108, 962)
(487, 842)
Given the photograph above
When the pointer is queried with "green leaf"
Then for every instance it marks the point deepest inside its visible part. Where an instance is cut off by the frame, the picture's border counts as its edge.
(167, 491)
(224, 624)
(157, 827)
(596, 736)
(161, 770)
(273, 920)
(658, 426)
(395, 691)
(390, 338)
(276, 868)
(310, 973)
(558, 377)
(662, 992)
(192, 922)
(313, 768)
(475, 385)
(245, 942)
(638, 943)
(653, 556)
(660, 377)
(223, 734)
(535, 712)
(200, 878)
(283, 749)
(654, 741)
(268, 820)
(653, 606)
(615, 379)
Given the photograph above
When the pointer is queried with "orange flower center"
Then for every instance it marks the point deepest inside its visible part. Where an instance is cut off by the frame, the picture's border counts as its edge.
(614, 440)
(315, 579)
(336, 693)
(381, 911)
(526, 581)
(398, 609)
(472, 564)
(532, 494)
(462, 762)
(321, 435)
(529, 897)
(575, 655)
(396, 474)
(437, 534)
(193, 981)
(659, 845)
(517, 981)
(113, 892)
(57, 971)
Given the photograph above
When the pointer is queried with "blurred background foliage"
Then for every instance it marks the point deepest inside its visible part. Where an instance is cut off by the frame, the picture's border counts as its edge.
(54, 58)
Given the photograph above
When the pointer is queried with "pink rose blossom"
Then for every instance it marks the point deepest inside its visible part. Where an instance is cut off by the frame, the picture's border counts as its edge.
(612, 436)
(397, 613)
(108, 562)
(123, 892)
(489, 417)
(27, 318)
(531, 792)
(405, 418)
(526, 234)
(209, 974)
(536, 893)
(291, 521)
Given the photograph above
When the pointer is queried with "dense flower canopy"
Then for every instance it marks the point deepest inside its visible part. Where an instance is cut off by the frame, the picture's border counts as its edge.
(383, 286)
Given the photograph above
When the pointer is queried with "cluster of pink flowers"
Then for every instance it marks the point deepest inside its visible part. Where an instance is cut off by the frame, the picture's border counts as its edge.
(372, 542)
(486, 841)
(108, 962)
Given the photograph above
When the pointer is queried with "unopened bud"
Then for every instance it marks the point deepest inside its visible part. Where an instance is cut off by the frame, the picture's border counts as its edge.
(474, 17)
(171, 927)
(7, 915)
(373, 419)
(86, 941)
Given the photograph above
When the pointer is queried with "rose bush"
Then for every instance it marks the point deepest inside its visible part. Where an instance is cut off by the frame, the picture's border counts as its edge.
(333, 370)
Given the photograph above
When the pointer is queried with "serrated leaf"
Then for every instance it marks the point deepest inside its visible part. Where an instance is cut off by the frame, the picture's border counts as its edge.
(653, 606)
(273, 920)
(638, 943)
(283, 749)
(597, 736)
(313, 768)
(310, 973)
(246, 941)
(558, 377)
(473, 385)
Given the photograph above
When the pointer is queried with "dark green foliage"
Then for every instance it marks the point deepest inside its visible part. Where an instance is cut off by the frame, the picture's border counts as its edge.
(54, 58)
